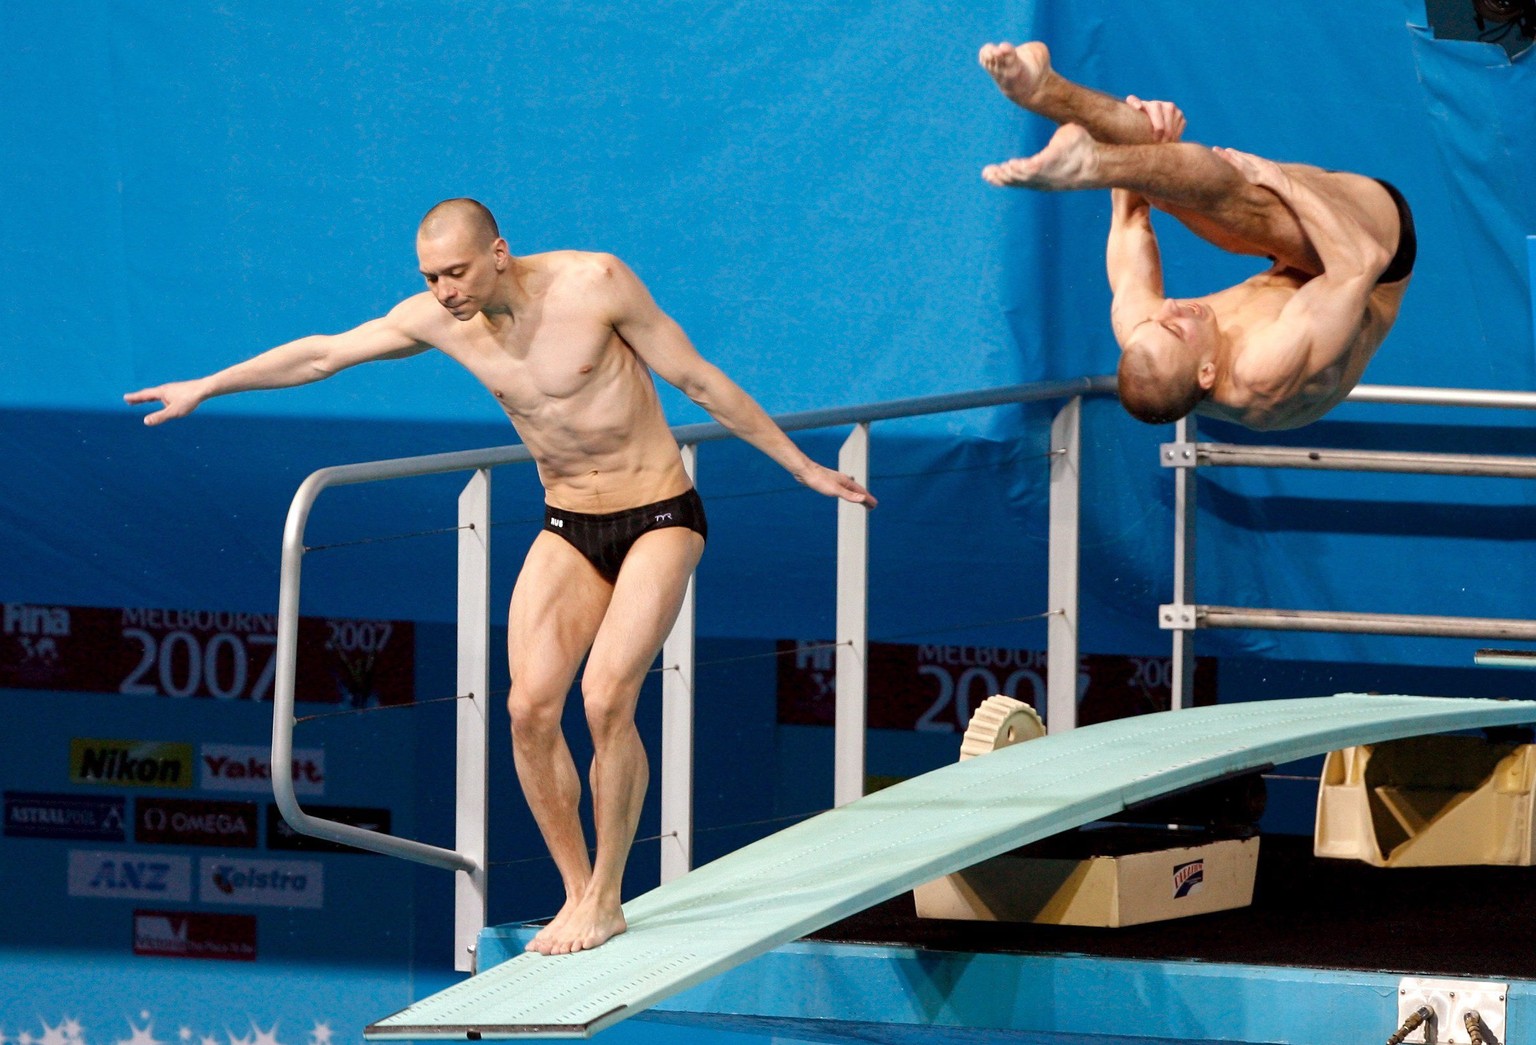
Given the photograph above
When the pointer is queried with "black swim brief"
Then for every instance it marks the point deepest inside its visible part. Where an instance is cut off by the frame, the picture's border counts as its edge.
(606, 539)
(1401, 265)
(1407, 242)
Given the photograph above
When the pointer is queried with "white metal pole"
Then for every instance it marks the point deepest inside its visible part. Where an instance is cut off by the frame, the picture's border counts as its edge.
(677, 662)
(1062, 582)
(1182, 675)
(852, 625)
(474, 683)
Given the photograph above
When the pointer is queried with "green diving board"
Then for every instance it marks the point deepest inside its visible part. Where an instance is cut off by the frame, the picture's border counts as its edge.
(848, 859)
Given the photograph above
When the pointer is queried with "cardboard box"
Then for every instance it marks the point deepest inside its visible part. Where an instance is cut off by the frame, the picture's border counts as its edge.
(1129, 885)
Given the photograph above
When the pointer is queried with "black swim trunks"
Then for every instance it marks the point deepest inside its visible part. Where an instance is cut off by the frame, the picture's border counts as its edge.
(1401, 265)
(1407, 242)
(606, 539)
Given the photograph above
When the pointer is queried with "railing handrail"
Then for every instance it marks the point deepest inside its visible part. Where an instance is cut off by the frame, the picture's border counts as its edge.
(491, 457)
(284, 696)
(708, 431)
(1415, 395)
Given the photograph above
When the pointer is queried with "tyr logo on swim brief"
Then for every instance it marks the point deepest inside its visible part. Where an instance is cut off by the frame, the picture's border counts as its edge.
(664, 517)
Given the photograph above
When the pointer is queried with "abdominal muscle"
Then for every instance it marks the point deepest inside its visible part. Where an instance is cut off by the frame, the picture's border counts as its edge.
(599, 457)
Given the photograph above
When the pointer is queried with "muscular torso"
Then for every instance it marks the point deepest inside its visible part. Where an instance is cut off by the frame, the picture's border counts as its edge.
(1244, 310)
(579, 396)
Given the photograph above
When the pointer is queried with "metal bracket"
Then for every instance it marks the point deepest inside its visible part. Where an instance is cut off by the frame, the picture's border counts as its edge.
(1179, 455)
(1450, 1001)
(1176, 616)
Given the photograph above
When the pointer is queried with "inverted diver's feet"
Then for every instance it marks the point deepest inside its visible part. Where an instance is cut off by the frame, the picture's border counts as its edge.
(1019, 71)
(1068, 161)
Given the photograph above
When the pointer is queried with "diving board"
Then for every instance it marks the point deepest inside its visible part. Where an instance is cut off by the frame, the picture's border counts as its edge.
(850, 858)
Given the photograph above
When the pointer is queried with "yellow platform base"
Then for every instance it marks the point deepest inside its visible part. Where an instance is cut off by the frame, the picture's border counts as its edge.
(1129, 888)
(1431, 801)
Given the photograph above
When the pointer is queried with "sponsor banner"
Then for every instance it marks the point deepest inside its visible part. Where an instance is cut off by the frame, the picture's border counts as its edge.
(261, 883)
(933, 688)
(282, 836)
(130, 763)
(121, 875)
(202, 653)
(80, 818)
(187, 821)
(248, 768)
(185, 934)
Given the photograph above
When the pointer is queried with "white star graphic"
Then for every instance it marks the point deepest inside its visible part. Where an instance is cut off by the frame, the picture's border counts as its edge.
(25, 1038)
(265, 1037)
(237, 1041)
(185, 1034)
(52, 1035)
(73, 1031)
(144, 1035)
(321, 1035)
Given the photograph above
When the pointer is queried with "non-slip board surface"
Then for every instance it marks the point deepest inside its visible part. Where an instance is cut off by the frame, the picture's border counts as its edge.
(848, 859)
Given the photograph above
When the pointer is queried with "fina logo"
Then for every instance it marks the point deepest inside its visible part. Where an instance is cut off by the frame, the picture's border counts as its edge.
(1188, 879)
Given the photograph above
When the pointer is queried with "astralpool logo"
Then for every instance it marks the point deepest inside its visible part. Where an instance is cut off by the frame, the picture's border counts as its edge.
(264, 883)
(80, 817)
(130, 763)
(1188, 879)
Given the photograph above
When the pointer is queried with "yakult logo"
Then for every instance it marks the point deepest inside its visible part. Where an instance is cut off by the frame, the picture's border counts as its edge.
(245, 767)
(265, 883)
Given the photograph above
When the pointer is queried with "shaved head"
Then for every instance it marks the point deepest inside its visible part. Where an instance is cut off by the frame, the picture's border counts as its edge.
(460, 215)
(1159, 386)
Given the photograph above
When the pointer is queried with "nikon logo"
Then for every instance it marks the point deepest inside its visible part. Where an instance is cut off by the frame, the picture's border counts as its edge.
(130, 763)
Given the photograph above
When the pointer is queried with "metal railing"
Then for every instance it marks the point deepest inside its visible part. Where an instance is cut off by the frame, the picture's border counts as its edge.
(1183, 616)
(468, 857)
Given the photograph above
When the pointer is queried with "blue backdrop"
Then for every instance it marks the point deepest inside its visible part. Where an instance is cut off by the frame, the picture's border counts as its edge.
(799, 187)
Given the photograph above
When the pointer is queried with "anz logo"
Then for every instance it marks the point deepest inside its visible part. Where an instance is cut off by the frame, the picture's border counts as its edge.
(556, 523)
(129, 876)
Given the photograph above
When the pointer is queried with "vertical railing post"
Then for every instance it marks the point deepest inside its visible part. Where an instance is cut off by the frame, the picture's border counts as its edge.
(677, 665)
(852, 625)
(1182, 675)
(1061, 585)
(474, 680)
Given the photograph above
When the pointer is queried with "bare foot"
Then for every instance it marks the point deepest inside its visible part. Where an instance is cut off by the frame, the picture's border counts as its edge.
(543, 941)
(1068, 161)
(1019, 71)
(590, 925)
